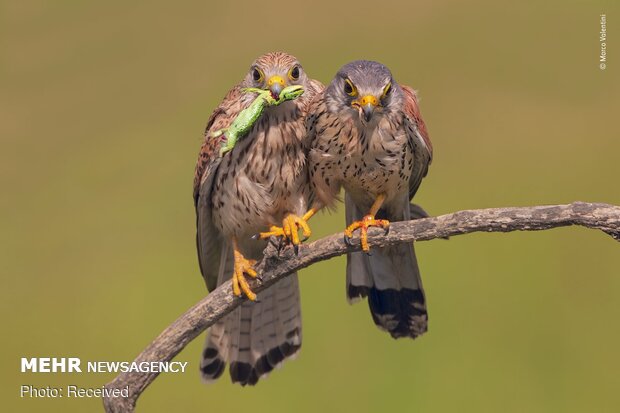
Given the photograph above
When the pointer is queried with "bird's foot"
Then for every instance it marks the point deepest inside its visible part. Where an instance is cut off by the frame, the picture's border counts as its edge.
(289, 230)
(239, 283)
(363, 225)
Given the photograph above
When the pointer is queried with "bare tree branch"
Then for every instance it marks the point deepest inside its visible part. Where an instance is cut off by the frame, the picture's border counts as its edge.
(276, 266)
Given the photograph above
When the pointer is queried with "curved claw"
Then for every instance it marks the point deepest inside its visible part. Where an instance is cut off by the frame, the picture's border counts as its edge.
(347, 240)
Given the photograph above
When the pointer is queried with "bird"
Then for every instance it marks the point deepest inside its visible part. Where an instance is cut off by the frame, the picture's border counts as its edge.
(261, 182)
(368, 136)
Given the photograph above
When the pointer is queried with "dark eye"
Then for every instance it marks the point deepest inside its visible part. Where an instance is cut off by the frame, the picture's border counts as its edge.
(293, 74)
(349, 89)
(257, 75)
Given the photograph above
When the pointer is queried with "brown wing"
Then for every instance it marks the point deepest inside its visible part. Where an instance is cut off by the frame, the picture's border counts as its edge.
(208, 239)
(221, 118)
(418, 139)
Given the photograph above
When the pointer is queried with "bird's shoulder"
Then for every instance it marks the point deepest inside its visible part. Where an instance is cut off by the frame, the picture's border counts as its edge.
(222, 117)
(411, 108)
(314, 89)
(419, 139)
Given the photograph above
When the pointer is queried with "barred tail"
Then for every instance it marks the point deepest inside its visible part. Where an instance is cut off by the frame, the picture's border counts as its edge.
(256, 337)
(390, 278)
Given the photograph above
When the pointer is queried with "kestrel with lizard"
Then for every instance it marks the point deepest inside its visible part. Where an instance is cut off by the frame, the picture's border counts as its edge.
(260, 183)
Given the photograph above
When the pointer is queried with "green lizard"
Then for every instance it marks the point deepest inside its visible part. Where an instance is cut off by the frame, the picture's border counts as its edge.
(248, 117)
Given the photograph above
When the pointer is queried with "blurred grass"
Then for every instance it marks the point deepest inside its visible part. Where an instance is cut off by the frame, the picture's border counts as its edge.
(102, 109)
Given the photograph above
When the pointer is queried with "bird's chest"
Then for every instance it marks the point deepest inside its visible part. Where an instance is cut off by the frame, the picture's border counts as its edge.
(260, 177)
(378, 161)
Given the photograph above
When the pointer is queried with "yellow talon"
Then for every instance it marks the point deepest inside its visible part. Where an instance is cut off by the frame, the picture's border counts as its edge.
(291, 224)
(366, 222)
(242, 266)
(363, 225)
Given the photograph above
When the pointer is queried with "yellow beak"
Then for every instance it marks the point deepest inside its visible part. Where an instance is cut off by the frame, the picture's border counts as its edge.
(368, 104)
(276, 84)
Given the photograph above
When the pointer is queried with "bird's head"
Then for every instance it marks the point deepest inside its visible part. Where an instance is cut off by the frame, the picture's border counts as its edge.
(275, 71)
(365, 89)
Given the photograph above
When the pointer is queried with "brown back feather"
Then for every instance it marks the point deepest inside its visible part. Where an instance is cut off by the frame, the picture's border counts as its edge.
(419, 140)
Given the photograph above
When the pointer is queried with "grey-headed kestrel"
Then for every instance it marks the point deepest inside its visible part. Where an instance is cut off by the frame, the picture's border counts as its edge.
(261, 182)
(367, 135)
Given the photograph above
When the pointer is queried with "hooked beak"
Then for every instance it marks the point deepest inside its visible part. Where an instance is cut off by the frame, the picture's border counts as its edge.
(367, 106)
(276, 84)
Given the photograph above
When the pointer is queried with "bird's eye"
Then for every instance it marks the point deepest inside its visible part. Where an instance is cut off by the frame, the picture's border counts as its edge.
(349, 89)
(386, 90)
(293, 74)
(257, 75)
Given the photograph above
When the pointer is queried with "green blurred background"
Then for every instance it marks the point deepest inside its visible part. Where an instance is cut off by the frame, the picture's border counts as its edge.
(103, 105)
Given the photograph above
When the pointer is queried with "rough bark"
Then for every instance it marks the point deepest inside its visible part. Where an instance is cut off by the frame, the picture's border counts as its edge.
(276, 265)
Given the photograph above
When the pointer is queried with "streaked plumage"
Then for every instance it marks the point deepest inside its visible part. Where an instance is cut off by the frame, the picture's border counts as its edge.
(254, 186)
(368, 136)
